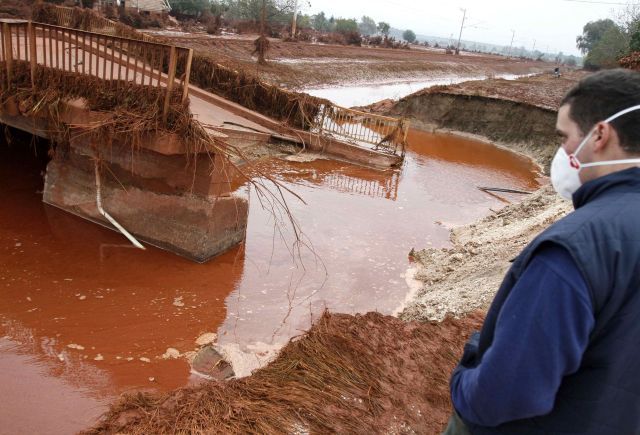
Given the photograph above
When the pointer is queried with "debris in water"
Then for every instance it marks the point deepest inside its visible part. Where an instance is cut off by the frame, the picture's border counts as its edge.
(209, 363)
(206, 338)
(178, 302)
(171, 353)
(145, 360)
(99, 357)
(75, 346)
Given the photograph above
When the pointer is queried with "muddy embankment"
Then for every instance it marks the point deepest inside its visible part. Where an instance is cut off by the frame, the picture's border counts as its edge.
(521, 127)
(520, 116)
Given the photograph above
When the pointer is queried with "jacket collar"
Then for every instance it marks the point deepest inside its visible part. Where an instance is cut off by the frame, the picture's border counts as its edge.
(627, 180)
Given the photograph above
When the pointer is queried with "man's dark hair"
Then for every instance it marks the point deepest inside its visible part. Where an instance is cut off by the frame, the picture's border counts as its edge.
(603, 94)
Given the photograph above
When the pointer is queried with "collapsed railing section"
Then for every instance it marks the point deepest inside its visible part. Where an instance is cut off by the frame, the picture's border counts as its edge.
(386, 134)
(114, 59)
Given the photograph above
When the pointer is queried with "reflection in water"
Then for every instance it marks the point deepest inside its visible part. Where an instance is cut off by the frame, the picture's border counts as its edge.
(115, 310)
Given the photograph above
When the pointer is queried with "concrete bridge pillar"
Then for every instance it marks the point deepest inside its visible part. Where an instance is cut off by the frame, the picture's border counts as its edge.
(190, 207)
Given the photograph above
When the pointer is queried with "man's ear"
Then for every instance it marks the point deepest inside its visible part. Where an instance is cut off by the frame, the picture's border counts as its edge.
(604, 133)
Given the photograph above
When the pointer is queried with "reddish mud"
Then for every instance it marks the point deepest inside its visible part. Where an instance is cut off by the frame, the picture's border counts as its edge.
(348, 374)
(96, 315)
(544, 90)
(300, 65)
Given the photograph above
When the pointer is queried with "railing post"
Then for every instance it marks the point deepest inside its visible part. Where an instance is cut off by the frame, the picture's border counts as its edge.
(8, 49)
(187, 75)
(172, 77)
(33, 53)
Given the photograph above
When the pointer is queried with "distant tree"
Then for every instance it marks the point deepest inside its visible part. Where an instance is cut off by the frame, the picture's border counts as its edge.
(346, 25)
(367, 26)
(218, 7)
(320, 22)
(592, 33)
(409, 36)
(606, 52)
(304, 22)
(193, 8)
(332, 24)
(251, 10)
(384, 28)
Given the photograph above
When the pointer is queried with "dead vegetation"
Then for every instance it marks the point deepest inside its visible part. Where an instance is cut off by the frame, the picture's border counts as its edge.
(295, 109)
(631, 61)
(134, 110)
(348, 374)
(15, 9)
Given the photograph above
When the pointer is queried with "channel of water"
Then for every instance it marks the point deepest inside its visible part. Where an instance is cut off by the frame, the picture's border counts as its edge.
(85, 317)
(364, 94)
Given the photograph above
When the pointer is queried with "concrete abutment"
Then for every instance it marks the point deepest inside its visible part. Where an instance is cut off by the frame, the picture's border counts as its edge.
(165, 196)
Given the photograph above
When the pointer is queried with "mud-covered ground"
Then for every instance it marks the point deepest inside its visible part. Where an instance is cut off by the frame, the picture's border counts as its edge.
(348, 374)
(299, 65)
(465, 277)
(544, 90)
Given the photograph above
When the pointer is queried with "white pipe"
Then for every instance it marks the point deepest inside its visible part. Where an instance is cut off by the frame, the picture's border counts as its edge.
(108, 216)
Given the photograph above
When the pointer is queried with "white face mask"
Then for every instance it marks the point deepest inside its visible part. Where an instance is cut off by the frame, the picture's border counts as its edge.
(565, 168)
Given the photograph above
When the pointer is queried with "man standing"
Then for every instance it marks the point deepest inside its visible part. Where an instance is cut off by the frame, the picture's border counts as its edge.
(559, 351)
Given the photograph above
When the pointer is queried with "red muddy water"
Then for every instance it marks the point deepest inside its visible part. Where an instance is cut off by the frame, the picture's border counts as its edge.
(84, 317)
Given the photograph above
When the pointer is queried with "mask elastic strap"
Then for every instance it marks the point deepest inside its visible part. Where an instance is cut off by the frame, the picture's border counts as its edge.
(612, 162)
(587, 137)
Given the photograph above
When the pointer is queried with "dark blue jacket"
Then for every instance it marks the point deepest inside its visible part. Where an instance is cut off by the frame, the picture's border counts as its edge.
(603, 238)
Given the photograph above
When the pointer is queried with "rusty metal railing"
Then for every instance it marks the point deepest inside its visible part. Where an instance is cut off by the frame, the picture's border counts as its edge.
(111, 58)
(382, 133)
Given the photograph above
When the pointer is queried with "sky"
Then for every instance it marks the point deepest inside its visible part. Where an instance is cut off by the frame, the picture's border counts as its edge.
(552, 25)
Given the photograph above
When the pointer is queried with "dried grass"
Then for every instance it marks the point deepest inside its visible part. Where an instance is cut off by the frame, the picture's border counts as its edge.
(295, 109)
(348, 374)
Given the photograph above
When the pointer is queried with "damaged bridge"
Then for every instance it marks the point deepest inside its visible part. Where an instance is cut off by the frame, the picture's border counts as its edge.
(140, 149)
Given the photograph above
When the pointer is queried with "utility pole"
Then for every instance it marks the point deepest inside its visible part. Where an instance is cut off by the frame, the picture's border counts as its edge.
(295, 19)
(513, 34)
(534, 45)
(464, 16)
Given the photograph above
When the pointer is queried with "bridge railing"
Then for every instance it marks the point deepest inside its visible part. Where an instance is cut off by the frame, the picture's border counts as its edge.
(111, 58)
(385, 133)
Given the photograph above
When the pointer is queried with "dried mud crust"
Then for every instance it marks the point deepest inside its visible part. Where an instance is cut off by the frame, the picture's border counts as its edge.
(465, 277)
(544, 90)
(316, 65)
(349, 374)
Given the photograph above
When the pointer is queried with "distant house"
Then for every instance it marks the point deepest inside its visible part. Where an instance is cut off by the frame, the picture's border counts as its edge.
(139, 5)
